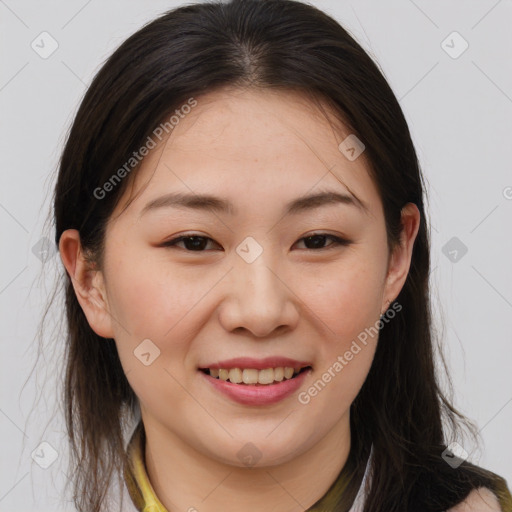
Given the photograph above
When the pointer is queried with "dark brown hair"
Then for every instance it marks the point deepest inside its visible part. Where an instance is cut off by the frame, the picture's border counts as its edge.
(265, 44)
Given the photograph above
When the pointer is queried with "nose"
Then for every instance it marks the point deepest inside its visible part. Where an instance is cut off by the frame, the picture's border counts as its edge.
(258, 300)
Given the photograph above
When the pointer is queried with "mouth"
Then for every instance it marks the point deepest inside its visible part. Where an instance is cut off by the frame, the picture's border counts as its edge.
(255, 377)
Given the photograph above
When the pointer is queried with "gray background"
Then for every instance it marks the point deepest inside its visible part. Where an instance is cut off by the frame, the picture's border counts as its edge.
(460, 114)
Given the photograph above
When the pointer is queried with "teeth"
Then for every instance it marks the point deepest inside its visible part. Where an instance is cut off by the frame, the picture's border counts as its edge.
(265, 376)
(288, 373)
(250, 376)
(253, 376)
(235, 375)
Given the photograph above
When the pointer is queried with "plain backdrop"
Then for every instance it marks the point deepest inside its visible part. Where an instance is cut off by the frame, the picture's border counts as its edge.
(448, 64)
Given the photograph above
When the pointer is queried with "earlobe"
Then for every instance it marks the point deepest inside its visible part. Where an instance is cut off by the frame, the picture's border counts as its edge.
(88, 284)
(400, 260)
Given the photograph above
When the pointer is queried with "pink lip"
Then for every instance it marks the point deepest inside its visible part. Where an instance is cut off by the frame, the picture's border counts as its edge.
(257, 364)
(257, 394)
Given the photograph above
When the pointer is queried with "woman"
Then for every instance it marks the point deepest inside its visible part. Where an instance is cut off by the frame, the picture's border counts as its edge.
(239, 209)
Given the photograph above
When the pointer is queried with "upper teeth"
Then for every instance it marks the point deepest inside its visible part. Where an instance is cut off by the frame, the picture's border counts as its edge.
(253, 376)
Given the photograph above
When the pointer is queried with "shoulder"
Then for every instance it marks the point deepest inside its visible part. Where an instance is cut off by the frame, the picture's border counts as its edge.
(479, 500)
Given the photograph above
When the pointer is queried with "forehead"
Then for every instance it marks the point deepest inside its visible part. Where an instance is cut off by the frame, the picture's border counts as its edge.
(275, 145)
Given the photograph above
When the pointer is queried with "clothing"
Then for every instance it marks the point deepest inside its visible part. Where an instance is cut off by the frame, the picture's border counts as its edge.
(143, 497)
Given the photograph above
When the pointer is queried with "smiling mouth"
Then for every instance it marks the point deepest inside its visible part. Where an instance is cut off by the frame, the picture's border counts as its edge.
(253, 377)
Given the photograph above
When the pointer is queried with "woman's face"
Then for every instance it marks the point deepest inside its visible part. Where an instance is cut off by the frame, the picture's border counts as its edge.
(251, 285)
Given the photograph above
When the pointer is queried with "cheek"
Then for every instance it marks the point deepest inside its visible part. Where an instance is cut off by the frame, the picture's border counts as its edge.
(149, 302)
(337, 383)
(346, 309)
(347, 299)
(150, 299)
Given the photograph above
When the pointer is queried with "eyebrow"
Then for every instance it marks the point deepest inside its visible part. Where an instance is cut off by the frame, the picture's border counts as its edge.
(207, 202)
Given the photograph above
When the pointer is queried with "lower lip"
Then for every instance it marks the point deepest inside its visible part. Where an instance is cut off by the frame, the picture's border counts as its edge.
(258, 394)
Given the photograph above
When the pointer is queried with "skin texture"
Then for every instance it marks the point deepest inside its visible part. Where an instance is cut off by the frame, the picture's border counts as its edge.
(479, 500)
(259, 149)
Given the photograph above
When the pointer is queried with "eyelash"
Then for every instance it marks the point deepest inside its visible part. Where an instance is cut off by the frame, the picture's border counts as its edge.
(337, 241)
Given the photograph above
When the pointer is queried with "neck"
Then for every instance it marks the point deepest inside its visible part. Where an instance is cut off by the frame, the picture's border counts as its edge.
(185, 478)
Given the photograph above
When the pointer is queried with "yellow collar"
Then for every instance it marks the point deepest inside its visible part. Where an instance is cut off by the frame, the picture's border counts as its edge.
(137, 481)
(145, 500)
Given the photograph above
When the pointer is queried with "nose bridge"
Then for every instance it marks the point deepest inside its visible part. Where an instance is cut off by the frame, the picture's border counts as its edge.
(262, 301)
(258, 283)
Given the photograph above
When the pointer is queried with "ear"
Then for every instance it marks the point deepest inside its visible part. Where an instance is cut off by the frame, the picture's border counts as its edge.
(88, 284)
(400, 260)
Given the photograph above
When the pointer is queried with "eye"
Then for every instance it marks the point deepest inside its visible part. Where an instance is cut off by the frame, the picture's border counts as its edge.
(192, 242)
(196, 243)
(317, 240)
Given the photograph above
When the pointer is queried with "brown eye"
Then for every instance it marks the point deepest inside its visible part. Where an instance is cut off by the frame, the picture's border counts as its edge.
(193, 243)
(317, 241)
(196, 243)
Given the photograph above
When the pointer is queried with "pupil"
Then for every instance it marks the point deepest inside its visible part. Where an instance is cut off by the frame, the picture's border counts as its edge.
(195, 242)
(318, 238)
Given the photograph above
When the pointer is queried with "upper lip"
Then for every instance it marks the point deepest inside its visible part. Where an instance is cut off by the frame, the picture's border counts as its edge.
(257, 364)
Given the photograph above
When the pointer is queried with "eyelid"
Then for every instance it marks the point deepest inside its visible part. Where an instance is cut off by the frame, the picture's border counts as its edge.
(339, 241)
(173, 241)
